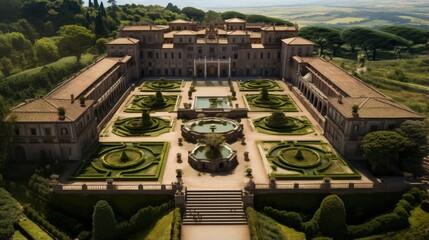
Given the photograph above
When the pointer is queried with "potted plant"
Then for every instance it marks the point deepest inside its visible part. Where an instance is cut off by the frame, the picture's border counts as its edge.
(61, 113)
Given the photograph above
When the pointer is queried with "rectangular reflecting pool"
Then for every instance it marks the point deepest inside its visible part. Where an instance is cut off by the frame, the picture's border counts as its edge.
(212, 102)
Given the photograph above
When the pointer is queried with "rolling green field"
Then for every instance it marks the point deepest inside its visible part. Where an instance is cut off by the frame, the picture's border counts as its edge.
(365, 13)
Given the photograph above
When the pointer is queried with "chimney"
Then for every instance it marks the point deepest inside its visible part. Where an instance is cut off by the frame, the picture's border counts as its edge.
(340, 99)
(72, 98)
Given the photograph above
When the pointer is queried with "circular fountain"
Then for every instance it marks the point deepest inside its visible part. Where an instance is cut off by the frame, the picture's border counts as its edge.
(197, 129)
(212, 155)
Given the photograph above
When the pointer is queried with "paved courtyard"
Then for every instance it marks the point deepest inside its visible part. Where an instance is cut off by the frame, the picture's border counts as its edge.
(235, 179)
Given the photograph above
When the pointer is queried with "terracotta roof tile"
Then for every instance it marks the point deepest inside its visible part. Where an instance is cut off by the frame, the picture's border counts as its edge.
(297, 41)
(121, 41)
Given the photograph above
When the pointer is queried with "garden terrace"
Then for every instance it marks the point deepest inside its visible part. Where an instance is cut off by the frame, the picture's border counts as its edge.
(125, 161)
(133, 127)
(164, 86)
(292, 126)
(256, 85)
(141, 103)
(275, 102)
(304, 160)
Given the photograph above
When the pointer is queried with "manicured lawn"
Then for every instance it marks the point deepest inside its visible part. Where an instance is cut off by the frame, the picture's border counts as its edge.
(298, 126)
(324, 161)
(18, 236)
(276, 103)
(33, 230)
(140, 103)
(131, 127)
(167, 86)
(158, 231)
(256, 85)
(148, 162)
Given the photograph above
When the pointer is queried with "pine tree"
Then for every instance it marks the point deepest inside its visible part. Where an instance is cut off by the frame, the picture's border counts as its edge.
(87, 20)
(90, 4)
(96, 4)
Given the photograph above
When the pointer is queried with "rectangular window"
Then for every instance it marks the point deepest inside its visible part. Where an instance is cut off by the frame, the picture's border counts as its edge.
(200, 50)
(64, 131)
(47, 131)
(166, 72)
(172, 55)
(269, 55)
(262, 55)
(180, 55)
(180, 39)
(224, 49)
(157, 55)
(356, 128)
(33, 131)
(150, 55)
(17, 131)
(165, 55)
(236, 56)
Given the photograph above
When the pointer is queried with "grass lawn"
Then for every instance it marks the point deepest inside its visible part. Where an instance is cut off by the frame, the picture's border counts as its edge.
(157, 231)
(33, 230)
(86, 59)
(18, 236)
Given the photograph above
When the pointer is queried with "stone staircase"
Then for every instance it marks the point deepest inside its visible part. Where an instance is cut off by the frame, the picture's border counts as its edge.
(214, 207)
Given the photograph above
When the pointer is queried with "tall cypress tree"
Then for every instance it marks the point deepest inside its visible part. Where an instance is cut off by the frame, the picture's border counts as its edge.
(100, 29)
(87, 20)
(96, 3)
(102, 10)
(90, 4)
(103, 222)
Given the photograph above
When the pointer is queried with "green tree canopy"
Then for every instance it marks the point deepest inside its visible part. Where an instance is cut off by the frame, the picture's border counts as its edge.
(381, 148)
(172, 8)
(323, 36)
(233, 14)
(103, 222)
(415, 35)
(46, 50)
(194, 13)
(74, 39)
(371, 40)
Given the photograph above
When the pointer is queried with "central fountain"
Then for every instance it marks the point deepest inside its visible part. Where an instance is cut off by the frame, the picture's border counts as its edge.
(197, 129)
(211, 154)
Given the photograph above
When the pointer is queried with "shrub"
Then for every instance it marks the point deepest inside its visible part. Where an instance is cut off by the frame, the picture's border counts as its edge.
(103, 221)
(425, 205)
(148, 215)
(382, 223)
(177, 224)
(409, 198)
(419, 195)
(311, 228)
(9, 214)
(406, 205)
(332, 219)
(290, 219)
(47, 226)
(252, 221)
(85, 235)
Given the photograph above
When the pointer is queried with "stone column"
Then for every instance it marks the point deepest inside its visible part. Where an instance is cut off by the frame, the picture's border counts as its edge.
(205, 67)
(195, 69)
(180, 199)
(229, 68)
(247, 199)
(218, 68)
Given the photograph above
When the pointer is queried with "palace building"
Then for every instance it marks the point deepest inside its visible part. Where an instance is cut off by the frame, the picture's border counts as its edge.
(183, 49)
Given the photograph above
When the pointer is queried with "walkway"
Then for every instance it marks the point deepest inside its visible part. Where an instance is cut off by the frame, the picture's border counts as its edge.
(219, 232)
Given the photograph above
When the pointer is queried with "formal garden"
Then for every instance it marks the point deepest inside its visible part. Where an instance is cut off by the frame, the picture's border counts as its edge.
(266, 102)
(162, 85)
(305, 160)
(124, 161)
(279, 124)
(256, 85)
(154, 103)
(144, 126)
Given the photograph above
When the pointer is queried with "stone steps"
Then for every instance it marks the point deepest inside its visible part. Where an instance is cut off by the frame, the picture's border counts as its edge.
(214, 207)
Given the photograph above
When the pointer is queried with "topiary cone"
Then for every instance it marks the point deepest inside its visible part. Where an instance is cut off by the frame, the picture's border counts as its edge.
(124, 157)
(299, 155)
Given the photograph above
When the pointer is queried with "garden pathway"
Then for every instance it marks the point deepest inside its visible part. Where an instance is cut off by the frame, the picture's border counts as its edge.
(215, 232)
